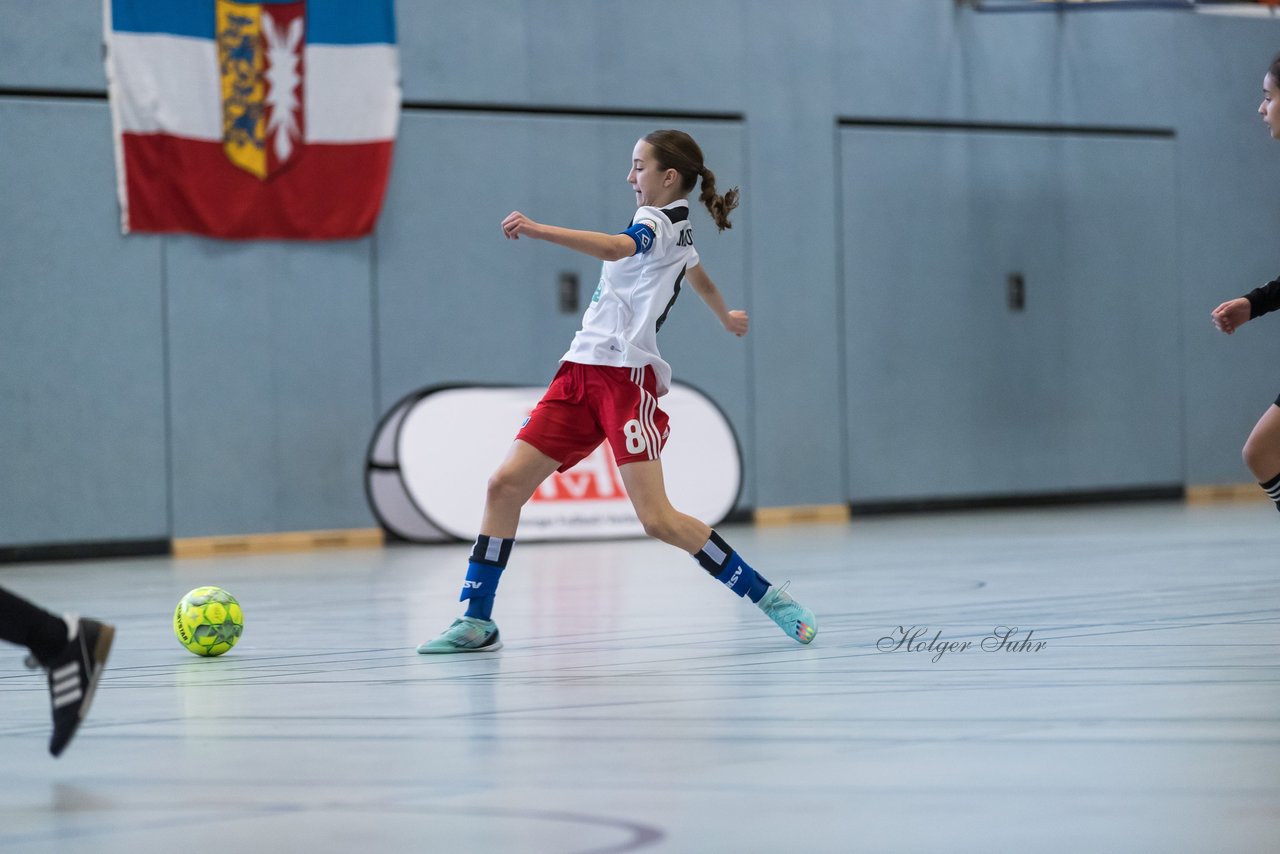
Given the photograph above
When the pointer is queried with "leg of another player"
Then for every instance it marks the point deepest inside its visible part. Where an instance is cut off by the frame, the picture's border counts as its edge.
(26, 624)
(647, 489)
(1262, 452)
(71, 650)
(510, 487)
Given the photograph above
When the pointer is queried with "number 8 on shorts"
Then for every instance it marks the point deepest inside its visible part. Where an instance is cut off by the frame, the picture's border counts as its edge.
(636, 442)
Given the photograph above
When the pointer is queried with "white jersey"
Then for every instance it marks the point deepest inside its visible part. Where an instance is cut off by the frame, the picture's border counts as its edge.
(620, 327)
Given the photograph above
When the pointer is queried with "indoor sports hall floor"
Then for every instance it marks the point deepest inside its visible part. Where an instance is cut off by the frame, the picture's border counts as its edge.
(638, 706)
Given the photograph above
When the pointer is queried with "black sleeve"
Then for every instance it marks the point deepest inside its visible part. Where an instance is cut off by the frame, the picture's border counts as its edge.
(1264, 299)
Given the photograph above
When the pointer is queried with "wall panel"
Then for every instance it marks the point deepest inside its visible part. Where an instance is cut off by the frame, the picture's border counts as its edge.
(82, 410)
(283, 354)
(954, 394)
(272, 402)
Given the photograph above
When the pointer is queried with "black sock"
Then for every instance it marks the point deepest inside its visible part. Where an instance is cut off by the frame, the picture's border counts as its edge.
(28, 625)
(1272, 488)
(714, 555)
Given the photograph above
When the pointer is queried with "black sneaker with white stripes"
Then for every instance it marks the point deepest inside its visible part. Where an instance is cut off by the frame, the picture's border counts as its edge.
(73, 677)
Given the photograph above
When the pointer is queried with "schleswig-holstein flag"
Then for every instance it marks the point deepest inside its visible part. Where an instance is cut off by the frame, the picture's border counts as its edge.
(252, 120)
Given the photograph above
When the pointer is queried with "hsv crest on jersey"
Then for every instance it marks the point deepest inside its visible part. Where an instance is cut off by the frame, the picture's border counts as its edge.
(260, 58)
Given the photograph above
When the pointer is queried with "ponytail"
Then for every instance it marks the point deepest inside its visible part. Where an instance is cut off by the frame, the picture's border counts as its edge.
(718, 206)
(676, 150)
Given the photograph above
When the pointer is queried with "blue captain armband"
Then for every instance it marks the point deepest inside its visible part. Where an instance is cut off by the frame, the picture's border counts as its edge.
(643, 235)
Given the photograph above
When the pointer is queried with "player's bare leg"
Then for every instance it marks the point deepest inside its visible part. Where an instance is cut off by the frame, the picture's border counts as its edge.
(510, 487)
(1262, 452)
(648, 492)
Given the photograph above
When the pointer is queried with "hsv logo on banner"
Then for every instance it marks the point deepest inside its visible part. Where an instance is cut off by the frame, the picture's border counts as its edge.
(252, 120)
(595, 478)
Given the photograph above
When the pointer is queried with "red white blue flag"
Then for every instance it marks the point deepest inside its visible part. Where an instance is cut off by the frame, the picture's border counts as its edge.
(271, 119)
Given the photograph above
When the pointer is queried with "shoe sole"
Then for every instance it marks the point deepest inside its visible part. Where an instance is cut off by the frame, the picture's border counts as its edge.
(106, 636)
(493, 647)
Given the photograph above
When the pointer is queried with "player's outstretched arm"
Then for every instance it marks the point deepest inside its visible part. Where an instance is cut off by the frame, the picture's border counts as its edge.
(1231, 315)
(735, 321)
(606, 247)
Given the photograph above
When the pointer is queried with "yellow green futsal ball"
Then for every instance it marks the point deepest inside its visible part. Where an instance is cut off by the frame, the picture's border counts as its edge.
(208, 621)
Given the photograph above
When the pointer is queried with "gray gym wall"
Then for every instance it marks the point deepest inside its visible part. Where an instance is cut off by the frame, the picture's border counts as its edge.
(155, 387)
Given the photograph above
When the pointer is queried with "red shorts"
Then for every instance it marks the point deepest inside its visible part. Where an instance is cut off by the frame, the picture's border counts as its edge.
(587, 404)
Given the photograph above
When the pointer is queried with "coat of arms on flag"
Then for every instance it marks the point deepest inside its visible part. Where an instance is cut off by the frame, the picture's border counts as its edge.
(260, 60)
(269, 119)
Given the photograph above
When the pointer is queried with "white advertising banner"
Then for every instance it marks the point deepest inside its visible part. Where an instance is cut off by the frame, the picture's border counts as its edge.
(431, 457)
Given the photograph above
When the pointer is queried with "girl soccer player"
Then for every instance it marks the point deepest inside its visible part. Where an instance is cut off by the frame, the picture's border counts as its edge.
(1262, 449)
(607, 389)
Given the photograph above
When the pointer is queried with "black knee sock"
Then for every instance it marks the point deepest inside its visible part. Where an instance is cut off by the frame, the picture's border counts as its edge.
(1272, 488)
(31, 626)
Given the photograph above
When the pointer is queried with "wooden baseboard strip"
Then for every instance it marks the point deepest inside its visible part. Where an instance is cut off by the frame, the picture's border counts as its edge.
(1220, 493)
(802, 514)
(292, 541)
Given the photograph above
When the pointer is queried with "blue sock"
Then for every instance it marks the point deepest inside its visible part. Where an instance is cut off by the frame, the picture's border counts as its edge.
(727, 567)
(488, 559)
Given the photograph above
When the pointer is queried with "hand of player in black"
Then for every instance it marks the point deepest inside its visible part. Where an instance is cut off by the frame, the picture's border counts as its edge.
(1231, 315)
